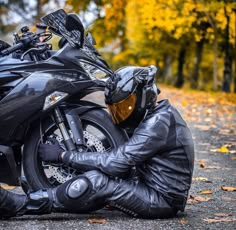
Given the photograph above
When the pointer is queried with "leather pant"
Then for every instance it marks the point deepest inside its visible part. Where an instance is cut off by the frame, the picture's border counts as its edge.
(131, 197)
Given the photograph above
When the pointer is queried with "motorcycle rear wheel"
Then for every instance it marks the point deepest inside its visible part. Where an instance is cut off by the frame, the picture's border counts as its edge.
(100, 135)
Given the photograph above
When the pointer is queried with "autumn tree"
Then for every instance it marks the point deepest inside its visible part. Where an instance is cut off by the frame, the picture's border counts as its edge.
(6, 8)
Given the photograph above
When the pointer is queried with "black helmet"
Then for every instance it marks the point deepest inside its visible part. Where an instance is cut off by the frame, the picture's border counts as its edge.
(129, 93)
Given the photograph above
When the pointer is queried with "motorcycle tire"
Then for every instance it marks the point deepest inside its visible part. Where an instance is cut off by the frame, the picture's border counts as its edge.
(99, 131)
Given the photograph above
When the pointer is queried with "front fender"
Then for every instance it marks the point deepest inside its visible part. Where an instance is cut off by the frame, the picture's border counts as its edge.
(82, 106)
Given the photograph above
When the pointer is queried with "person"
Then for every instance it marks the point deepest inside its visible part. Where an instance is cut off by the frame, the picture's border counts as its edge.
(149, 176)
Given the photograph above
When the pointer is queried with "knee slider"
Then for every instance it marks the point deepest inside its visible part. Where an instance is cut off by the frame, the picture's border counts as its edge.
(73, 194)
(78, 188)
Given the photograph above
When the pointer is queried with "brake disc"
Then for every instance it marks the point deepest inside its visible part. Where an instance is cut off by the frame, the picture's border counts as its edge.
(63, 174)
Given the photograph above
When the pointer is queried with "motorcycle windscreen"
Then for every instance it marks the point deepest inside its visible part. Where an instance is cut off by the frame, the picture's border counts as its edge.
(57, 22)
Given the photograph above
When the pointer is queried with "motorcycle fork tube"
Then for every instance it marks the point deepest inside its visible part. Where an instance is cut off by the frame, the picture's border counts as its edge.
(76, 127)
(65, 134)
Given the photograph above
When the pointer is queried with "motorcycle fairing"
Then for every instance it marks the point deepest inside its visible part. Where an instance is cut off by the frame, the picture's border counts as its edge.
(26, 100)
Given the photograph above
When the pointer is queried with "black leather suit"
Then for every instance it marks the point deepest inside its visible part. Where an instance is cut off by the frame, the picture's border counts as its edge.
(161, 150)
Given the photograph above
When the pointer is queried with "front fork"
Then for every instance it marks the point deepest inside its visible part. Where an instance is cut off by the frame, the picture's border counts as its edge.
(75, 125)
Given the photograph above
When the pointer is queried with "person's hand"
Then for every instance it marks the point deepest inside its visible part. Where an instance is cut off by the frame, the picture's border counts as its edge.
(51, 152)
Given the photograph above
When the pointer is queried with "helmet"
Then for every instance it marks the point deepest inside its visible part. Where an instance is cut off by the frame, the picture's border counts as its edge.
(129, 93)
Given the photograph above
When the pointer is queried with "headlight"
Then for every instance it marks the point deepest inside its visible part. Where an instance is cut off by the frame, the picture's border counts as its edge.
(93, 71)
(53, 98)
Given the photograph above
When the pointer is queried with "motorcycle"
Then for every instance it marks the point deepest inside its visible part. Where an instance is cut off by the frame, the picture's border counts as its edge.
(42, 96)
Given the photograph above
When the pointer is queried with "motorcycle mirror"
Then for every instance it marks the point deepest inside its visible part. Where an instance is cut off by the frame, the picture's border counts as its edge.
(74, 24)
(91, 39)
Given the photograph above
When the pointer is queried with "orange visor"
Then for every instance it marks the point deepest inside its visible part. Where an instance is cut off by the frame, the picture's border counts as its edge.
(120, 111)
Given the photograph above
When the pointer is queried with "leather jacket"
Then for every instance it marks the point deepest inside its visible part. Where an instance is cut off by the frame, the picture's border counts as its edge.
(161, 149)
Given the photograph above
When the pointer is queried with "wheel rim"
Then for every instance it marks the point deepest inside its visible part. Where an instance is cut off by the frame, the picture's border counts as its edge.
(97, 139)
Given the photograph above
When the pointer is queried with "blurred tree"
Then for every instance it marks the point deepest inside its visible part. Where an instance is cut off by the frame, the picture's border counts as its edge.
(177, 35)
(228, 55)
(6, 7)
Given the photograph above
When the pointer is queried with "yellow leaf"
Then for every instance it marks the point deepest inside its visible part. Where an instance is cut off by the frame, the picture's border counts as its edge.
(184, 103)
(205, 192)
(229, 189)
(211, 100)
(223, 149)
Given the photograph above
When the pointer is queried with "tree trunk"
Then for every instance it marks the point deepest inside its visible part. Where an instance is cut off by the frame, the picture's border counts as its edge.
(199, 49)
(227, 61)
(167, 69)
(234, 50)
(181, 59)
(215, 66)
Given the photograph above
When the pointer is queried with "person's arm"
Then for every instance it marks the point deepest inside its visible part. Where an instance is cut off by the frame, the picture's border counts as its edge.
(149, 138)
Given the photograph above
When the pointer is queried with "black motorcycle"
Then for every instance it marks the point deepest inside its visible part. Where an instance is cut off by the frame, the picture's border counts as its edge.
(42, 98)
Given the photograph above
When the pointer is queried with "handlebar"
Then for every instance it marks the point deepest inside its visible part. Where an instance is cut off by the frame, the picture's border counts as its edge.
(26, 41)
(12, 49)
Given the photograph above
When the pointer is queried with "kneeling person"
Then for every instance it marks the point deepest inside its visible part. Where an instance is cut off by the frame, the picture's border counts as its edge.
(160, 149)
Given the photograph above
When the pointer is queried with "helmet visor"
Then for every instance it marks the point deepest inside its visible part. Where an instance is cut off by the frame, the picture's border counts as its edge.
(121, 110)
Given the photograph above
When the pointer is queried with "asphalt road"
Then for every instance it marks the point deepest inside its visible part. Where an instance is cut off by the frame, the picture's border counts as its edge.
(213, 170)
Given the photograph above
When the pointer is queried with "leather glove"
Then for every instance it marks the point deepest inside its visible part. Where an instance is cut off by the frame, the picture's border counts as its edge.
(51, 152)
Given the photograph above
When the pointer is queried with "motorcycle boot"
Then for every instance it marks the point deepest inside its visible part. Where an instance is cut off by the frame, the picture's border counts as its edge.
(35, 203)
(10, 203)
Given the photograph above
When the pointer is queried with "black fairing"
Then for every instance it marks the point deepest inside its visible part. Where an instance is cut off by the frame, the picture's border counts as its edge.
(24, 87)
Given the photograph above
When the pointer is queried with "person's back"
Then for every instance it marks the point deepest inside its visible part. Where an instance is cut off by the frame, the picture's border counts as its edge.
(170, 169)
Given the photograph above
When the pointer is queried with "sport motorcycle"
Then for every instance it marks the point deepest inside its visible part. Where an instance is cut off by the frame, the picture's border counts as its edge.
(43, 97)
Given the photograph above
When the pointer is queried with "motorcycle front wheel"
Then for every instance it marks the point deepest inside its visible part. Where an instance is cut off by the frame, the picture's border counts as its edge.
(100, 135)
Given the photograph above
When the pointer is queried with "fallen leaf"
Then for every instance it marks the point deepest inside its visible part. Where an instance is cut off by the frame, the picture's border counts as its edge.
(98, 221)
(232, 151)
(202, 127)
(212, 167)
(202, 164)
(7, 187)
(205, 192)
(202, 199)
(221, 214)
(233, 158)
(229, 189)
(184, 103)
(223, 149)
(214, 150)
(200, 179)
(209, 111)
(211, 100)
(183, 221)
(209, 220)
(228, 145)
(196, 199)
